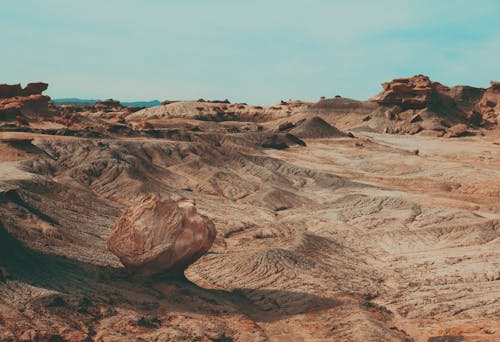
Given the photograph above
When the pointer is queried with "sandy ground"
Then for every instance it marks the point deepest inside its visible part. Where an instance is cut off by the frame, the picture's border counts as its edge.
(344, 239)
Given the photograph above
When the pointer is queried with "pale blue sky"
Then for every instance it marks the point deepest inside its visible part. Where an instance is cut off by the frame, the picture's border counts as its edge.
(255, 51)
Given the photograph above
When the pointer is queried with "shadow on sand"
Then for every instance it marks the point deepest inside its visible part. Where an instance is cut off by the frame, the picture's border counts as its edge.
(75, 279)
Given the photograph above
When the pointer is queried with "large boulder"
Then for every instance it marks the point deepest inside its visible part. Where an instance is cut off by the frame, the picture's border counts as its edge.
(158, 235)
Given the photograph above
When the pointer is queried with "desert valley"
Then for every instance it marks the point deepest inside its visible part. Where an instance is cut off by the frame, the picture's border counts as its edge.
(206, 220)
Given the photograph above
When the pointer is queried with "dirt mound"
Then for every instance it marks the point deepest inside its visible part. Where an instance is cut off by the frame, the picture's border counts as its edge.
(316, 128)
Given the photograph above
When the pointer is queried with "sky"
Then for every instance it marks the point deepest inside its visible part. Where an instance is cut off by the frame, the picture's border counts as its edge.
(255, 51)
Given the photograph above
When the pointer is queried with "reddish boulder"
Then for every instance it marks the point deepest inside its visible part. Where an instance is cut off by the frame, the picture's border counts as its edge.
(159, 235)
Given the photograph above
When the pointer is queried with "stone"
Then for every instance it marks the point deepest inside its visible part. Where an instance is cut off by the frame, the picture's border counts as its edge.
(458, 130)
(415, 118)
(286, 126)
(158, 235)
(295, 140)
(475, 118)
(275, 141)
(414, 129)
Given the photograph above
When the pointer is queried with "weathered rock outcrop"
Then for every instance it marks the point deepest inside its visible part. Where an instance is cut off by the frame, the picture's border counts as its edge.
(16, 101)
(158, 235)
(489, 105)
(408, 93)
(495, 85)
(35, 88)
(104, 104)
(459, 104)
(13, 90)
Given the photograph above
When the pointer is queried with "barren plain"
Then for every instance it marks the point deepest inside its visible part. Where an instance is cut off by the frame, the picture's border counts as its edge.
(339, 220)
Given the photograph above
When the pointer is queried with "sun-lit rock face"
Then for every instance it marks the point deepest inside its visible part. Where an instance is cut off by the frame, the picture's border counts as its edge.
(157, 235)
(413, 92)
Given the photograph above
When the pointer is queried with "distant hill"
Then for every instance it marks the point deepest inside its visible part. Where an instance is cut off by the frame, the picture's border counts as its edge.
(85, 102)
(73, 101)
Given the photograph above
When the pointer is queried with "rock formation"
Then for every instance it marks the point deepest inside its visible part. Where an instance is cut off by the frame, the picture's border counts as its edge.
(409, 93)
(34, 88)
(158, 235)
(17, 102)
(8, 90)
(489, 105)
(104, 104)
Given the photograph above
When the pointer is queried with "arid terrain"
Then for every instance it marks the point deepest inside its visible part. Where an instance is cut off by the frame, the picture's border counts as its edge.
(339, 220)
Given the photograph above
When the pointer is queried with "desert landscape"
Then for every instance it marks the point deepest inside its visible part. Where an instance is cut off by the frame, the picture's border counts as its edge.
(206, 220)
